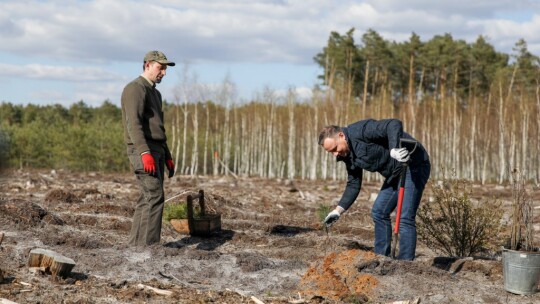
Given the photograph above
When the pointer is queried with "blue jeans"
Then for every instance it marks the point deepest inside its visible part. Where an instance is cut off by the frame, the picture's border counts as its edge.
(386, 202)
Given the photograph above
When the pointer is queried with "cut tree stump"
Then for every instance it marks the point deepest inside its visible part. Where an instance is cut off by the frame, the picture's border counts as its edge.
(54, 263)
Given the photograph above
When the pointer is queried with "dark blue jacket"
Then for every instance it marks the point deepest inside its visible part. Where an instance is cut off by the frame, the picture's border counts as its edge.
(370, 142)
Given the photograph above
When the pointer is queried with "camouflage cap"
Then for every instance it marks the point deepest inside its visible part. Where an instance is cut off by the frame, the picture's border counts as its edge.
(158, 57)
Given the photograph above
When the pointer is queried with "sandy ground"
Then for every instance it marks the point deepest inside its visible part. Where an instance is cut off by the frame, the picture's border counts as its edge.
(271, 247)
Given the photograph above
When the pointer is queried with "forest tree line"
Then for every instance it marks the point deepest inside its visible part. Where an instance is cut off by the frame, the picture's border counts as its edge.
(476, 111)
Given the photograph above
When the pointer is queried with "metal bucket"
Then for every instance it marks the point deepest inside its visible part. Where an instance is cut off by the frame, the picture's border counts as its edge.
(521, 271)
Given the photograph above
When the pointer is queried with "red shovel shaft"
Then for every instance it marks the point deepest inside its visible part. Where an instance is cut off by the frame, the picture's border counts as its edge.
(400, 196)
(398, 212)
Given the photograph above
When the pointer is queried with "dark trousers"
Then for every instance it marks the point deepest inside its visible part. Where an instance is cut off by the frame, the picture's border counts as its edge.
(386, 202)
(146, 226)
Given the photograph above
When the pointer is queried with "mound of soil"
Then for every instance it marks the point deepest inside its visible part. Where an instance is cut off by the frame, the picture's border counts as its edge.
(336, 277)
(27, 213)
(59, 195)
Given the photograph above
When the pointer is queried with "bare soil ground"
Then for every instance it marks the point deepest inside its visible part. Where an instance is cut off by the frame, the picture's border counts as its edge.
(271, 246)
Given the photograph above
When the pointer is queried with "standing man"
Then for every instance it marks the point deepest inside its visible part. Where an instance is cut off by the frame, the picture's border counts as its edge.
(144, 135)
(374, 146)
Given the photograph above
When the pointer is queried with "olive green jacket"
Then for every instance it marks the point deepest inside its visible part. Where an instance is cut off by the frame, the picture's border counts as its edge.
(142, 116)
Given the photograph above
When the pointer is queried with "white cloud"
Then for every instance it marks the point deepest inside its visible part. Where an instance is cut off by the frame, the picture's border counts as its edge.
(78, 39)
(53, 96)
(232, 31)
(50, 72)
(95, 95)
(476, 8)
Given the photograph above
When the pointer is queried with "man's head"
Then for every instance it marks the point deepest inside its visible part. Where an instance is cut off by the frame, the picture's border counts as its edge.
(333, 140)
(155, 66)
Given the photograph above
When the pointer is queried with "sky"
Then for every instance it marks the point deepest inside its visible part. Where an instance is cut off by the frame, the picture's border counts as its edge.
(65, 51)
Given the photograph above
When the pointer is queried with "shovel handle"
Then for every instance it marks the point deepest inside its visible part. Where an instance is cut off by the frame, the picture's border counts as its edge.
(408, 143)
(400, 202)
(402, 142)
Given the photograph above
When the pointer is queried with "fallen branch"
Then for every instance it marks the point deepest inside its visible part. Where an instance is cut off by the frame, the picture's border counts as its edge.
(257, 301)
(176, 195)
(415, 301)
(227, 168)
(1, 237)
(299, 301)
(156, 290)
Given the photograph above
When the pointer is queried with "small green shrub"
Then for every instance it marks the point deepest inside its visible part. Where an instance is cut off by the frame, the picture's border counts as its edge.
(323, 211)
(178, 211)
(456, 225)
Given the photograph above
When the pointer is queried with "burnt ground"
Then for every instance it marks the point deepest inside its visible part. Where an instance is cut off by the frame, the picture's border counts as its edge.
(271, 246)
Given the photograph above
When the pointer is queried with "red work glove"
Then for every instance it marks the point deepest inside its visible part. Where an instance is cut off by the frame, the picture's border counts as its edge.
(170, 167)
(149, 164)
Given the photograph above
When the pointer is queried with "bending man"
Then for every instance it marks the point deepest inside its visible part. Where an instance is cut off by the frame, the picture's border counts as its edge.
(374, 146)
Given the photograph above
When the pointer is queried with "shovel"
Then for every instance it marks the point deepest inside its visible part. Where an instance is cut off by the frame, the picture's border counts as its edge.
(410, 145)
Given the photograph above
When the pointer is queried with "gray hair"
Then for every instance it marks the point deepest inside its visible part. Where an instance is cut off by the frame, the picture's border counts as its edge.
(327, 132)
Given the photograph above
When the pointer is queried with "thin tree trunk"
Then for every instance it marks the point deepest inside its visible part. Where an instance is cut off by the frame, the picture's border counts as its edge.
(226, 139)
(184, 137)
(443, 84)
(513, 147)
(487, 147)
(236, 142)
(524, 138)
(411, 99)
(502, 122)
(206, 134)
(411, 78)
(270, 140)
(366, 80)
(217, 146)
(502, 155)
(472, 141)
(421, 83)
(195, 148)
(311, 139)
(292, 139)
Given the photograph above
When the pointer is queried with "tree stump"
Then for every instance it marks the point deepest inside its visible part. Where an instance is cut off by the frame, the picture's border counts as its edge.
(53, 263)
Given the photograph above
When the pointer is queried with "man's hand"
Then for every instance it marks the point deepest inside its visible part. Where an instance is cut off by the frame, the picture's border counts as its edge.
(333, 216)
(149, 164)
(170, 167)
(401, 155)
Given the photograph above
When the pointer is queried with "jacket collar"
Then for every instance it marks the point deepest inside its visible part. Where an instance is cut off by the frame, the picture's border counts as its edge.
(152, 84)
(345, 131)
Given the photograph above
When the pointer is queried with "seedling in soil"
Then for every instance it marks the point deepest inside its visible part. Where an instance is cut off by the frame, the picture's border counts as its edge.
(322, 211)
(178, 211)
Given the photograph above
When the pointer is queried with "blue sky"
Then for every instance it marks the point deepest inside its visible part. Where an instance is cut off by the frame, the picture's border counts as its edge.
(60, 52)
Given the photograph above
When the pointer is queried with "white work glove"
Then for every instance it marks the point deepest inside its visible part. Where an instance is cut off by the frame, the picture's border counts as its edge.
(333, 216)
(401, 154)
